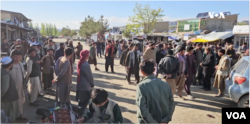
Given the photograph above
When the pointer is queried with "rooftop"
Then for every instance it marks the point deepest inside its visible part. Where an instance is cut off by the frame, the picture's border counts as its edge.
(15, 13)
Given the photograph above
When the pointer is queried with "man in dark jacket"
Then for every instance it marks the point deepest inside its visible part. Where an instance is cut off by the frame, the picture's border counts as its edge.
(59, 52)
(132, 64)
(123, 56)
(161, 53)
(169, 67)
(208, 69)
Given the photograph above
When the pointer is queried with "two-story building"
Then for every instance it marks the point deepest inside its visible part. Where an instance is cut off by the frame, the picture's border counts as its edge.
(14, 26)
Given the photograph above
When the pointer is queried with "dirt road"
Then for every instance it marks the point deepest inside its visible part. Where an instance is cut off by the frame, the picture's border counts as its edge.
(186, 111)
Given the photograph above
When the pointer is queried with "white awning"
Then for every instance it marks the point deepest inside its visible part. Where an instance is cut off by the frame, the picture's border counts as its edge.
(216, 36)
(241, 29)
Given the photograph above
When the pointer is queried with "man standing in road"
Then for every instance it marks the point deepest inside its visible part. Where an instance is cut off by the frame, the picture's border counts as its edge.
(198, 54)
(92, 55)
(78, 48)
(18, 73)
(180, 79)
(132, 63)
(169, 67)
(63, 77)
(222, 73)
(98, 48)
(33, 73)
(59, 52)
(208, 69)
(47, 69)
(109, 56)
(9, 94)
(151, 102)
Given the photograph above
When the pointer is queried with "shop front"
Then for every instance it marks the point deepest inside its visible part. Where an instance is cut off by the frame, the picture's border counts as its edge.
(241, 35)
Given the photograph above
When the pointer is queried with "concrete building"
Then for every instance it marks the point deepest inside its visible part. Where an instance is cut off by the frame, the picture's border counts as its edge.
(161, 27)
(241, 35)
(172, 26)
(14, 26)
(204, 22)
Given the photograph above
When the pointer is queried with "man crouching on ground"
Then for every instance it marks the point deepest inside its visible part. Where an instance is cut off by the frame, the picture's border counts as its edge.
(102, 109)
(154, 99)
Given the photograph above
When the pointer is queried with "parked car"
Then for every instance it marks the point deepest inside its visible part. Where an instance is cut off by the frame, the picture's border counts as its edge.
(237, 84)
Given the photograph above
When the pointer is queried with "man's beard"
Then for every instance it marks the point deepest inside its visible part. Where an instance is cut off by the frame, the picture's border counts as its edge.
(152, 48)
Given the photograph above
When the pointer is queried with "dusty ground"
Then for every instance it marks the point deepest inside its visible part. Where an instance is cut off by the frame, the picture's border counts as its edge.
(186, 111)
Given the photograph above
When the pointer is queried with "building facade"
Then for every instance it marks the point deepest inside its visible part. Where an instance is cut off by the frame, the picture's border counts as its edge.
(207, 23)
(241, 35)
(15, 26)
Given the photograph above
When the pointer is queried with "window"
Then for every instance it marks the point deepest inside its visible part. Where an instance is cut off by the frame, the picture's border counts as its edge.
(240, 67)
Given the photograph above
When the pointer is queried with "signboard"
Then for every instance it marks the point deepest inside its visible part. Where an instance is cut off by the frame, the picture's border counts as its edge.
(185, 38)
(186, 27)
(203, 22)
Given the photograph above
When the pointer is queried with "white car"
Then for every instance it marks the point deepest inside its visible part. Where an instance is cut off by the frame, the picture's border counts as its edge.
(237, 84)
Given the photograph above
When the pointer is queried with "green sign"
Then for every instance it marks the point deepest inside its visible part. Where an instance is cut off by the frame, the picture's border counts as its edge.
(203, 22)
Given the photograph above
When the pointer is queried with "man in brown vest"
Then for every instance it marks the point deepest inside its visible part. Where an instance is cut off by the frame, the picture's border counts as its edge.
(9, 95)
(47, 69)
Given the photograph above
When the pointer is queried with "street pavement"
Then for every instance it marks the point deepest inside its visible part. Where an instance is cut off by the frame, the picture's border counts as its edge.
(186, 111)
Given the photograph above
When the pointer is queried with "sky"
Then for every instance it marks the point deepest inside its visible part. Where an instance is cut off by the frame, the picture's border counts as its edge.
(71, 13)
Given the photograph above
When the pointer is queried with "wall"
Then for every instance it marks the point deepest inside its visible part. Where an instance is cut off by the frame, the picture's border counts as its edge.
(161, 26)
(5, 15)
(220, 24)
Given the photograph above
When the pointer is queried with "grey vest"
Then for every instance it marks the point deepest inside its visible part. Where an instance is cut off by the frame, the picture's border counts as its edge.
(35, 72)
(11, 94)
(108, 111)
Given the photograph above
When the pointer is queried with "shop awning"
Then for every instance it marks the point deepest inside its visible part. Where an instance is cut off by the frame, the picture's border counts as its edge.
(241, 29)
(213, 36)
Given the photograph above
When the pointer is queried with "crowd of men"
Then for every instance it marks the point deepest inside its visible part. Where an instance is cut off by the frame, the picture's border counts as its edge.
(28, 67)
(180, 67)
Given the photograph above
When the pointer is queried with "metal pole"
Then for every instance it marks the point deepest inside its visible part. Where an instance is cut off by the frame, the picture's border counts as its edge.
(7, 36)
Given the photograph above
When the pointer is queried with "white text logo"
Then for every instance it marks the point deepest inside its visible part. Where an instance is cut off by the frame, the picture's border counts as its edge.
(236, 115)
(219, 15)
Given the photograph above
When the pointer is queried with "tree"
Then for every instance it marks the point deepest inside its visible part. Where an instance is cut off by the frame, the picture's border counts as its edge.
(43, 30)
(65, 31)
(146, 17)
(242, 23)
(102, 26)
(36, 26)
(73, 33)
(88, 27)
(130, 28)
